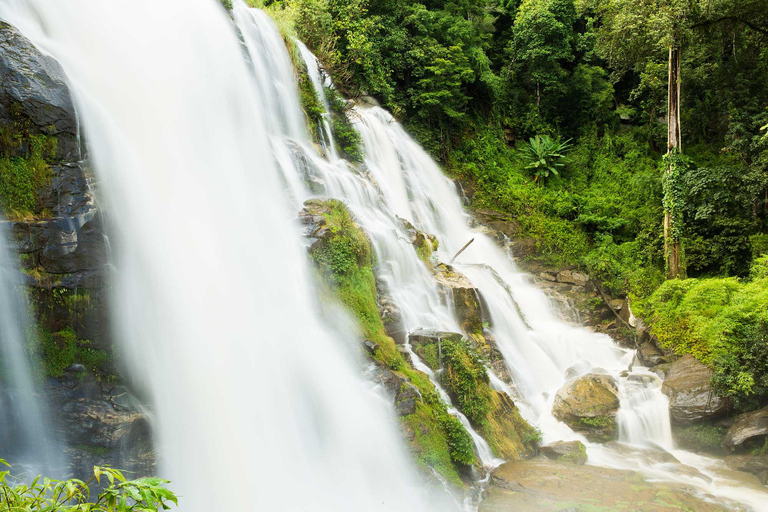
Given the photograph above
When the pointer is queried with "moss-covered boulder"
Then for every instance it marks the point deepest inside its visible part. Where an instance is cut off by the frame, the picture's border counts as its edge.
(462, 373)
(425, 244)
(589, 405)
(570, 451)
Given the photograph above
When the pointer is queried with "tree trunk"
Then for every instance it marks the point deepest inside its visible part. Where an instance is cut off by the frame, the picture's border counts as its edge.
(672, 247)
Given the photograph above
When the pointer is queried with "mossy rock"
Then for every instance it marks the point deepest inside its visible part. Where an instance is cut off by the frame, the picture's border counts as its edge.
(463, 374)
(466, 298)
(589, 405)
(344, 260)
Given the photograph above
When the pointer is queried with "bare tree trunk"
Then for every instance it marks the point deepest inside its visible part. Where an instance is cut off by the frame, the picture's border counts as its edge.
(672, 248)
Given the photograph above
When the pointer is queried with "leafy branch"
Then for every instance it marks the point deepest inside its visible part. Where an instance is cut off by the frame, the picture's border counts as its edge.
(121, 495)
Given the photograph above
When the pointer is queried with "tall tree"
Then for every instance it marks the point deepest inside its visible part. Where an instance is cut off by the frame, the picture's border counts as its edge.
(632, 31)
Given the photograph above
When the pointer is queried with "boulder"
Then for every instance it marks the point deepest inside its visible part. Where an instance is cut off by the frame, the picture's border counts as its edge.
(464, 296)
(571, 451)
(691, 399)
(572, 277)
(406, 398)
(661, 369)
(34, 94)
(424, 243)
(650, 355)
(746, 427)
(755, 464)
(100, 425)
(589, 405)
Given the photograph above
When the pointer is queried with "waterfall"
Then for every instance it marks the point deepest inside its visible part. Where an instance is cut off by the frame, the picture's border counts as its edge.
(204, 157)
(402, 181)
(257, 404)
(25, 439)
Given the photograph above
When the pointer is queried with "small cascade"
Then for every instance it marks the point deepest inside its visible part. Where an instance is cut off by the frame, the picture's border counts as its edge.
(320, 82)
(644, 413)
(25, 437)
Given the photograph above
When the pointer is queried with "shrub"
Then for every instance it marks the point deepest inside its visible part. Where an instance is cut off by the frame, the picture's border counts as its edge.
(120, 495)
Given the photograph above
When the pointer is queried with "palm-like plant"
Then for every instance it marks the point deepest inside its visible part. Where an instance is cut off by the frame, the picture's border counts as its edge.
(544, 156)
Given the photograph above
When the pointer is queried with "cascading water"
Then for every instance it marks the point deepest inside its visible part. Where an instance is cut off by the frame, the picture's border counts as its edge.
(257, 405)
(401, 181)
(25, 439)
(253, 396)
(407, 278)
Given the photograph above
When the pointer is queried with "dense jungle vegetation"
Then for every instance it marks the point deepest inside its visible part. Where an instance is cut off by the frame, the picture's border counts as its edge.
(558, 113)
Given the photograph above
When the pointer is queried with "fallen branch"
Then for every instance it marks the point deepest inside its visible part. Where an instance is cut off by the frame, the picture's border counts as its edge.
(460, 251)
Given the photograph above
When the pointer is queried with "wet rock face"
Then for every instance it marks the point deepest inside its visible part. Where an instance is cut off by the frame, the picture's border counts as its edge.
(100, 424)
(686, 383)
(33, 91)
(755, 464)
(589, 405)
(571, 451)
(650, 355)
(465, 297)
(748, 427)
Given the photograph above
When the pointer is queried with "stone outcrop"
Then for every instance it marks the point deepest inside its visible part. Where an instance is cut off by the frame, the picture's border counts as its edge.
(589, 405)
(755, 464)
(33, 94)
(101, 424)
(747, 428)
(570, 451)
(542, 484)
(464, 296)
(686, 383)
(650, 355)
(573, 277)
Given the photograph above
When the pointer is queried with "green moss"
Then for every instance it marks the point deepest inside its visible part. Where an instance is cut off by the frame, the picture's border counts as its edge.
(92, 449)
(703, 437)
(577, 456)
(465, 378)
(22, 177)
(723, 323)
(344, 260)
(62, 349)
(348, 139)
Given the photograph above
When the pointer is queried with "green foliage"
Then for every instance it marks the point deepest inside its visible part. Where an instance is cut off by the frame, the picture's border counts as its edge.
(703, 437)
(119, 495)
(62, 349)
(544, 156)
(533, 435)
(675, 166)
(722, 322)
(22, 177)
(466, 378)
(348, 139)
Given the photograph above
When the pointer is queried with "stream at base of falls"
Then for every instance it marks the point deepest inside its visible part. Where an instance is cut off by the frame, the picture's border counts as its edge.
(196, 132)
